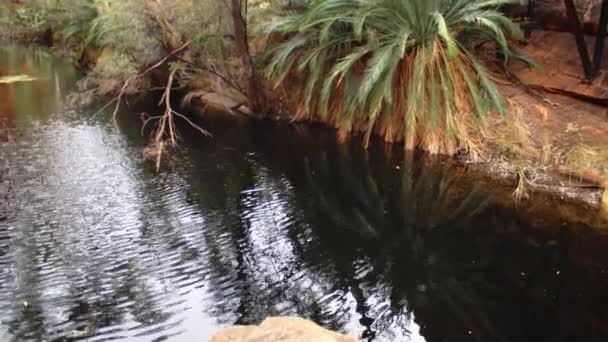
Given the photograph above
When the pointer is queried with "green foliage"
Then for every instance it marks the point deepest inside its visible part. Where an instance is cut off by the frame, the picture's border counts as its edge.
(74, 17)
(122, 26)
(23, 21)
(33, 18)
(114, 66)
(134, 32)
(126, 26)
(407, 69)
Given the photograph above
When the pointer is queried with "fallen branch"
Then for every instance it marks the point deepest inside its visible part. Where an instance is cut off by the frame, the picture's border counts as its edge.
(145, 118)
(118, 99)
(166, 126)
(229, 80)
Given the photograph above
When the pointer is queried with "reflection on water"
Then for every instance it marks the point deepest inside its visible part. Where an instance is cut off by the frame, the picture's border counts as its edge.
(27, 100)
(267, 221)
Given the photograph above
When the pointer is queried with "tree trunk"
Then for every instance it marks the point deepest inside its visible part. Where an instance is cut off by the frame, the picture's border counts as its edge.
(171, 39)
(255, 90)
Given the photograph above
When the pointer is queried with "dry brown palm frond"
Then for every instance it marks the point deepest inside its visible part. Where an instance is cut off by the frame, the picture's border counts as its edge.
(367, 70)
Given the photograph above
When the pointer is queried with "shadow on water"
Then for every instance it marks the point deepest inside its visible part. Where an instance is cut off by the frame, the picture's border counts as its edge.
(400, 240)
(270, 220)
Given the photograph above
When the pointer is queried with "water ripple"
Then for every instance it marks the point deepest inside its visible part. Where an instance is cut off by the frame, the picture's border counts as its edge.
(95, 246)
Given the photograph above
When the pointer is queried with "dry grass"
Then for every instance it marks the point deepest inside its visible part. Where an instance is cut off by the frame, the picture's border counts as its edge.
(587, 163)
(510, 137)
(584, 157)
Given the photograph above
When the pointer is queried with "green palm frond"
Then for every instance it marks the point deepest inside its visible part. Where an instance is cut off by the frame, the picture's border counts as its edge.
(407, 69)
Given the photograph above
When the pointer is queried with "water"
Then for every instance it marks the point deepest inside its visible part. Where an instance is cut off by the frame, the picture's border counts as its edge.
(264, 220)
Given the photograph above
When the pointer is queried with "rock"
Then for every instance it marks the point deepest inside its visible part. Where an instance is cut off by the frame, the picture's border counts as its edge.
(552, 14)
(90, 55)
(560, 68)
(218, 102)
(280, 329)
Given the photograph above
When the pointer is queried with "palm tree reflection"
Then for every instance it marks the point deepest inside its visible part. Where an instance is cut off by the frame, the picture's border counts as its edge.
(392, 217)
(328, 234)
(382, 249)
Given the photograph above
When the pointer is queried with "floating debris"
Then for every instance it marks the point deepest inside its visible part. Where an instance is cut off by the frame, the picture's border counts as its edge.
(16, 79)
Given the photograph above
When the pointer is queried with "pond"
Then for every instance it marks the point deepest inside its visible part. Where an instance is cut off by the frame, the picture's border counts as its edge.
(263, 220)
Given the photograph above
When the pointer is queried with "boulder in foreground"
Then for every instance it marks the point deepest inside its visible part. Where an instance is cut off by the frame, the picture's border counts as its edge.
(280, 329)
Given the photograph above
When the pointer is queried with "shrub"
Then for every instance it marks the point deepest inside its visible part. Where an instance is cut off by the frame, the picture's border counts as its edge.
(25, 22)
(405, 69)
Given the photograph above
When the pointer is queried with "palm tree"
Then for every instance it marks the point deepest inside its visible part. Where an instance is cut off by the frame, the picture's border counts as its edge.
(407, 70)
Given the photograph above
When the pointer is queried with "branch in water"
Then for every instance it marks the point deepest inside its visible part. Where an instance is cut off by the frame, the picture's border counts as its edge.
(118, 99)
(166, 123)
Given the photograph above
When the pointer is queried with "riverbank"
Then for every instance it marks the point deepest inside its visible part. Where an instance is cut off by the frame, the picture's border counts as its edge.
(552, 139)
(534, 166)
(551, 148)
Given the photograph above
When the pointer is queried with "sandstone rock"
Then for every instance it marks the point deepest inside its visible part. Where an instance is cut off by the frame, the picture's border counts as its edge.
(218, 102)
(552, 14)
(280, 329)
(560, 68)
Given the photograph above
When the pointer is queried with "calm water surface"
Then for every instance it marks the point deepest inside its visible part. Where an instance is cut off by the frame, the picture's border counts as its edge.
(263, 221)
